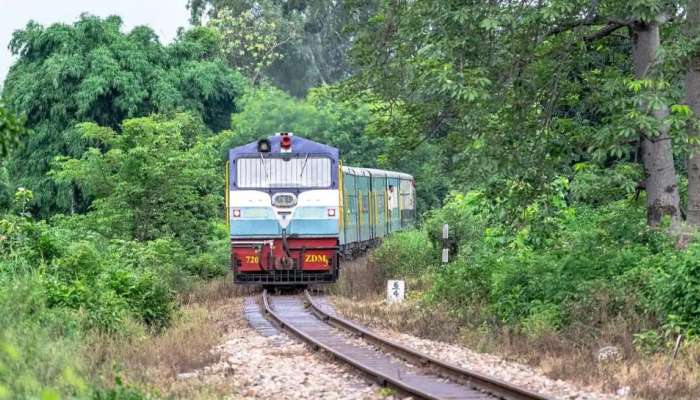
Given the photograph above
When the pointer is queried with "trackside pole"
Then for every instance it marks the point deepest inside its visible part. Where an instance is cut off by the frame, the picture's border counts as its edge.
(445, 245)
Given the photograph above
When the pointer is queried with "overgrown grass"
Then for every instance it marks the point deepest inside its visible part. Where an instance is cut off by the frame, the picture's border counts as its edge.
(403, 255)
(33, 335)
(151, 363)
(136, 363)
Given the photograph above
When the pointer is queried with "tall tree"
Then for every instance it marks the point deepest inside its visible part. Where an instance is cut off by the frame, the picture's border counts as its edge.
(657, 152)
(251, 41)
(157, 178)
(692, 93)
(524, 91)
(91, 71)
(465, 76)
(642, 20)
(312, 42)
(10, 130)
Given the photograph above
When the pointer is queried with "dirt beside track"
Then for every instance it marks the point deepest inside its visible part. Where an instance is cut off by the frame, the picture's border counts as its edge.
(279, 367)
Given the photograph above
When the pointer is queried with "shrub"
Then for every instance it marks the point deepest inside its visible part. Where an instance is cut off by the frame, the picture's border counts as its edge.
(215, 261)
(463, 284)
(112, 287)
(553, 264)
(22, 238)
(146, 295)
(119, 392)
(208, 265)
(31, 335)
(406, 253)
(678, 289)
(466, 216)
(165, 257)
(542, 318)
(594, 185)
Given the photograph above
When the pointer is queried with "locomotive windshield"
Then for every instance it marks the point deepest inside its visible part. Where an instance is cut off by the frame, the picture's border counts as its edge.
(275, 172)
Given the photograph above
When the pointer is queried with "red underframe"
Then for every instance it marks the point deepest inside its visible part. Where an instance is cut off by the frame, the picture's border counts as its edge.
(310, 254)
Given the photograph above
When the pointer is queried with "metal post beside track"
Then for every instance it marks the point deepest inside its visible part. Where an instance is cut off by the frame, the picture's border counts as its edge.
(445, 244)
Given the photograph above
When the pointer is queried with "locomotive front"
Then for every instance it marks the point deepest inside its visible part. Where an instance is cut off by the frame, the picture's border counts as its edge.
(283, 207)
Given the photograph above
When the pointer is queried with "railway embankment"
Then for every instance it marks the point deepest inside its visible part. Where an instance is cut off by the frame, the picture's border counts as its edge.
(448, 314)
(383, 320)
(213, 351)
(181, 361)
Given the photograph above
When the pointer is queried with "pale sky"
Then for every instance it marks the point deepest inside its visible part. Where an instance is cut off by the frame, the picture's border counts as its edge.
(163, 16)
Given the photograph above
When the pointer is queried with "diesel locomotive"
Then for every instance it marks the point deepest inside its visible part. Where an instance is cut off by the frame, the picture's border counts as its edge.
(294, 211)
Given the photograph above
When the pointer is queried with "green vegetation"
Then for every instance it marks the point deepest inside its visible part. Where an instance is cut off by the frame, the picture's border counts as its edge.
(319, 117)
(554, 264)
(105, 76)
(10, 128)
(151, 232)
(559, 141)
(294, 45)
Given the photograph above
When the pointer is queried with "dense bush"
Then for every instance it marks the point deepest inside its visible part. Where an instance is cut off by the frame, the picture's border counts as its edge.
(155, 178)
(110, 289)
(464, 213)
(677, 285)
(595, 185)
(557, 260)
(405, 253)
(152, 231)
(537, 283)
(108, 280)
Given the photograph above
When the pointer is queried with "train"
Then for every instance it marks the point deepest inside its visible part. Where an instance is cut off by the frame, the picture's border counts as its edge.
(295, 211)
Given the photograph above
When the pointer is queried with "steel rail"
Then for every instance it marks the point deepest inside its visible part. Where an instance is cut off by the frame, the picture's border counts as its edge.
(381, 378)
(485, 383)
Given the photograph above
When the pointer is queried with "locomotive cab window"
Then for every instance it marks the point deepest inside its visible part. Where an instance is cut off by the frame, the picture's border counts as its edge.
(272, 172)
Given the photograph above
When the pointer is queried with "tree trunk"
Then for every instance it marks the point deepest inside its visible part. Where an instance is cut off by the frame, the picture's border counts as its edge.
(692, 99)
(657, 154)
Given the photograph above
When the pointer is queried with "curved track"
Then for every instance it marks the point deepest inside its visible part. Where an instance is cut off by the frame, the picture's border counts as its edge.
(398, 366)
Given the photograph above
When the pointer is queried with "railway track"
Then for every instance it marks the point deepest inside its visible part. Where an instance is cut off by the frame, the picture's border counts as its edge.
(395, 365)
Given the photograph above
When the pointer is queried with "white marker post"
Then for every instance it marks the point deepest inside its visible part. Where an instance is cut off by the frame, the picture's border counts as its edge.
(445, 244)
(395, 291)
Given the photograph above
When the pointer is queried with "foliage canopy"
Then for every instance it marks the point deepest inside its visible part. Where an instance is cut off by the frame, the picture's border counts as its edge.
(91, 71)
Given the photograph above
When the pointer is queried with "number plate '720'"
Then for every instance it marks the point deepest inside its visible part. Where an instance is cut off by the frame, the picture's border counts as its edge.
(252, 259)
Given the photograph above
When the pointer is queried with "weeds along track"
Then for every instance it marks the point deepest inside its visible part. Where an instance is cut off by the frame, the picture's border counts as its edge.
(402, 368)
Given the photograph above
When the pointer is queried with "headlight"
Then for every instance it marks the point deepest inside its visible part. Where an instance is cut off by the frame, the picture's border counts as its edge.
(284, 200)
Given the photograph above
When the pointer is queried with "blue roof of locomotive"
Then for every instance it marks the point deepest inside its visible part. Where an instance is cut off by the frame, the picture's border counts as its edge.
(299, 146)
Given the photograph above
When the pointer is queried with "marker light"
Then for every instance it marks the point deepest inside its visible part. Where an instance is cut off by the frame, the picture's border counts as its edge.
(331, 212)
(236, 213)
(286, 142)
